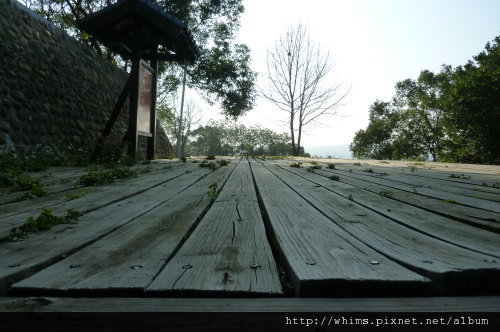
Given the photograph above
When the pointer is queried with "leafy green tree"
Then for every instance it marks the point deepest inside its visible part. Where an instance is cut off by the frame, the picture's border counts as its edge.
(226, 138)
(222, 73)
(453, 115)
(376, 142)
(473, 109)
(422, 112)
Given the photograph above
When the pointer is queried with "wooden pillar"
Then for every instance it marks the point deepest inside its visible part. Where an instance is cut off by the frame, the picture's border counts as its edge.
(152, 118)
(134, 101)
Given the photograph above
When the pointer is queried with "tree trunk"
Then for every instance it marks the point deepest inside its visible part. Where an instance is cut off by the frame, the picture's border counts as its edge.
(292, 133)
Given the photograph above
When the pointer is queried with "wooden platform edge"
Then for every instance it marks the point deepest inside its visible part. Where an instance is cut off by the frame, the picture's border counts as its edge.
(418, 304)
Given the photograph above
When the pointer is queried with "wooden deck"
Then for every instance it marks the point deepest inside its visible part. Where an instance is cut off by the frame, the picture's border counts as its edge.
(362, 235)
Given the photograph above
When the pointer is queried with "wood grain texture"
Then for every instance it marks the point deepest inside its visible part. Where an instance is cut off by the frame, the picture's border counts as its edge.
(321, 258)
(432, 224)
(404, 304)
(228, 253)
(454, 270)
(15, 214)
(471, 180)
(126, 261)
(474, 216)
(429, 192)
(21, 259)
(468, 190)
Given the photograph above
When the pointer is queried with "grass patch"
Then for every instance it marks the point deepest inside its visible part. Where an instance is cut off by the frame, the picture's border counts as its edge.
(296, 165)
(210, 165)
(81, 193)
(223, 162)
(330, 166)
(386, 193)
(459, 176)
(357, 164)
(35, 191)
(368, 170)
(213, 191)
(99, 176)
(334, 177)
(448, 201)
(45, 221)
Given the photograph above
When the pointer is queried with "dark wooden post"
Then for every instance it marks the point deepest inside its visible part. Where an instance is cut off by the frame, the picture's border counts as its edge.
(152, 115)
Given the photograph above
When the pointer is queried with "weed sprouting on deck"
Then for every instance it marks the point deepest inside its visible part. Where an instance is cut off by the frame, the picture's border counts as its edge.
(213, 165)
(45, 221)
(460, 176)
(213, 191)
(386, 193)
(81, 193)
(334, 177)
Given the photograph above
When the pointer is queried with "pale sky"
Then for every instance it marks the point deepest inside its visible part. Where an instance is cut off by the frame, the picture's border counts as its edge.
(374, 44)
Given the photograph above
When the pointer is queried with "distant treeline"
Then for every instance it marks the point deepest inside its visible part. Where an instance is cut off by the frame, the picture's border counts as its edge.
(452, 116)
(229, 139)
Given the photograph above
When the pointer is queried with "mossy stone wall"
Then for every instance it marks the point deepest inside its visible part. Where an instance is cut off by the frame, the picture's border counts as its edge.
(53, 89)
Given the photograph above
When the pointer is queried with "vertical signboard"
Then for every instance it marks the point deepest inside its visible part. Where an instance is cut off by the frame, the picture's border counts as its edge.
(144, 100)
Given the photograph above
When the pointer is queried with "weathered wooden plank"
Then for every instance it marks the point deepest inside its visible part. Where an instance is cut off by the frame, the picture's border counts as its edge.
(70, 188)
(436, 184)
(21, 259)
(131, 304)
(478, 217)
(429, 223)
(476, 179)
(228, 253)
(454, 270)
(96, 197)
(62, 182)
(126, 261)
(320, 257)
(424, 191)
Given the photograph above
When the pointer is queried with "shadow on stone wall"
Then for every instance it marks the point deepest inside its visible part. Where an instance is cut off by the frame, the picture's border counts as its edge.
(54, 90)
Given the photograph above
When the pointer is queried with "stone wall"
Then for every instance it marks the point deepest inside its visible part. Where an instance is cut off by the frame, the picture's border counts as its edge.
(54, 90)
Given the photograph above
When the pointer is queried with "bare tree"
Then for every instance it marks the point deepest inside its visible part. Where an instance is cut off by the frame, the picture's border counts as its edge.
(297, 79)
